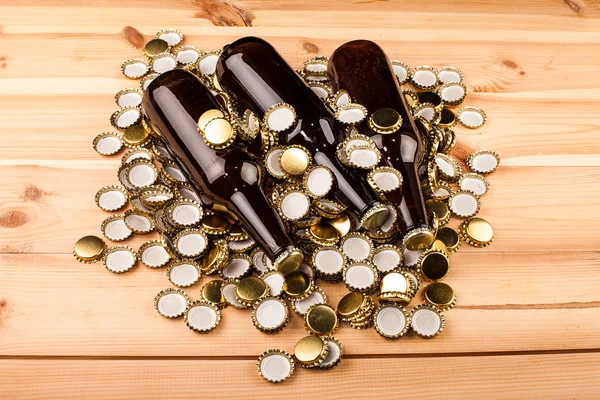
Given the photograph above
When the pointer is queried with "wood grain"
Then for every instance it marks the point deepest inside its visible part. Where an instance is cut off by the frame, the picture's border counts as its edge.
(527, 321)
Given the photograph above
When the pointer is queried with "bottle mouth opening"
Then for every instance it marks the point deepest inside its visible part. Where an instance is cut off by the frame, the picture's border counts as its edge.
(419, 239)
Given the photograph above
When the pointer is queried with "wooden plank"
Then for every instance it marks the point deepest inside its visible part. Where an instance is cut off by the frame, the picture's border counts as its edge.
(556, 376)
(45, 208)
(51, 305)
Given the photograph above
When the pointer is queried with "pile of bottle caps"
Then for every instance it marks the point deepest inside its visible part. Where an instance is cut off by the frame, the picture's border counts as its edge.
(381, 276)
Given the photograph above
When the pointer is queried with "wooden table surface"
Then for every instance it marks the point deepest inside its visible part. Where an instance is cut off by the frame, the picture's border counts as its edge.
(528, 319)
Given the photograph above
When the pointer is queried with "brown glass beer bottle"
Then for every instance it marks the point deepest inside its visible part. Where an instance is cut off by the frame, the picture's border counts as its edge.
(173, 104)
(362, 69)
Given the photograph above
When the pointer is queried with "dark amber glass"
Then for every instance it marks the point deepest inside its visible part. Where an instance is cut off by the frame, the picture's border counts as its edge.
(362, 69)
(257, 77)
(173, 103)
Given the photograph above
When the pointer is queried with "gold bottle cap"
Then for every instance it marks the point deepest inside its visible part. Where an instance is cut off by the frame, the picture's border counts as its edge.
(311, 351)
(317, 180)
(187, 192)
(418, 239)
(140, 173)
(184, 213)
(316, 65)
(155, 195)
(411, 274)
(475, 183)
(426, 113)
(427, 321)
(431, 98)
(483, 162)
(186, 55)
(190, 243)
(218, 133)
(242, 246)
(138, 221)
(351, 113)
(385, 179)
(169, 246)
(172, 36)
(294, 204)
(322, 90)
(208, 116)
(442, 191)
(354, 139)
(153, 254)
(361, 276)
(135, 68)
(251, 289)
(228, 290)
(440, 209)
(439, 245)
(275, 365)
(136, 136)
(207, 62)
(357, 246)
(476, 232)
(297, 285)
(202, 316)
(433, 264)
(89, 249)
(171, 303)
(464, 204)
(212, 292)
(216, 258)
(275, 281)
(450, 74)
(321, 319)
(294, 160)
(279, 117)
(330, 208)
(119, 259)
(237, 267)
(411, 98)
(257, 260)
(329, 262)
(183, 273)
(108, 143)
(472, 117)
(323, 234)
(452, 93)
(411, 257)
(391, 321)
(147, 80)
(307, 222)
(125, 117)
(171, 174)
(450, 238)
(133, 154)
(272, 163)
(114, 228)
(318, 296)
(237, 234)
(396, 282)
(448, 168)
(387, 257)
(440, 295)
(111, 198)
(375, 218)
(288, 261)
(402, 71)
(270, 315)
(155, 47)
(449, 141)
(363, 157)
(213, 224)
(342, 224)
(424, 78)
(334, 355)
(129, 98)
(160, 224)
(385, 120)
(350, 304)
(447, 118)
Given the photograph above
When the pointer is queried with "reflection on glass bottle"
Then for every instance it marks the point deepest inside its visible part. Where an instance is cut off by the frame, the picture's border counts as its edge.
(362, 69)
(173, 104)
(252, 72)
